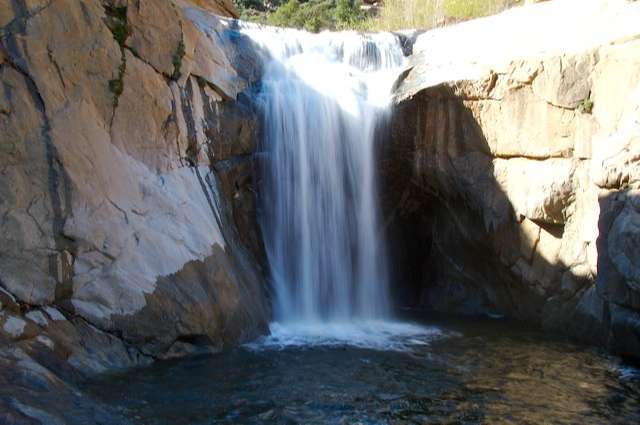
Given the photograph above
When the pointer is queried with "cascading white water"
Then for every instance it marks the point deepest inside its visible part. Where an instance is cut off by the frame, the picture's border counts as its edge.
(323, 96)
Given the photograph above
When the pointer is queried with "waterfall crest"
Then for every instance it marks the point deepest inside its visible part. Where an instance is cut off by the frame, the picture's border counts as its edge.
(323, 97)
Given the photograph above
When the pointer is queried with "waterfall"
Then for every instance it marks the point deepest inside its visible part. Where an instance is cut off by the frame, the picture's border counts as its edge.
(323, 96)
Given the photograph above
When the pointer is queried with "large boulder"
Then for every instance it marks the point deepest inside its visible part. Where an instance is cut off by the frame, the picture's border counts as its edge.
(128, 226)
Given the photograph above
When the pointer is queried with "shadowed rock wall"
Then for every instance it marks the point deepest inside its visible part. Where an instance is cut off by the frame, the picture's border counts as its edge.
(517, 193)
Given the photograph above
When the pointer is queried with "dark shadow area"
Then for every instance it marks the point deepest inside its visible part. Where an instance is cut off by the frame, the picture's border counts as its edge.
(457, 245)
(437, 188)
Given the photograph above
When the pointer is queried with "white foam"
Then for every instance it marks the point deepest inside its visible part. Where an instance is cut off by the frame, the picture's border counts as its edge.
(373, 334)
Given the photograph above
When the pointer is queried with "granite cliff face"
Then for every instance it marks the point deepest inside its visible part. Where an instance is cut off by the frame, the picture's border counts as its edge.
(128, 228)
(513, 188)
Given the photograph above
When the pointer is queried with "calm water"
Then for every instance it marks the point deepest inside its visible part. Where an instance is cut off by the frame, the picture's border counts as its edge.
(463, 371)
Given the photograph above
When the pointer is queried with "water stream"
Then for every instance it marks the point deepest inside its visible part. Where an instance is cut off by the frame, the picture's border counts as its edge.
(323, 98)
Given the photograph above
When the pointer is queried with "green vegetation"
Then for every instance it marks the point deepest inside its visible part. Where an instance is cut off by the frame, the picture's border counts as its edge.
(177, 60)
(116, 86)
(316, 15)
(312, 15)
(469, 9)
(289, 14)
(403, 14)
(348, 14)
(249, 4)
(426, 14)
(586, 106)
(116, 21)
(202, 83)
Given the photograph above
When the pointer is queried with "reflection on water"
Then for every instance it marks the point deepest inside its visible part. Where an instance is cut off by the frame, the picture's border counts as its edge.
(478, 371)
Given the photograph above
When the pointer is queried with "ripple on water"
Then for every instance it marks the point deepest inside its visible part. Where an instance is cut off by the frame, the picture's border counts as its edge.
(467, 371)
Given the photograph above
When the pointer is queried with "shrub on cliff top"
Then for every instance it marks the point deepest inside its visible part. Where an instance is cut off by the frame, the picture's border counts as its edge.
(315, 15)
(469, 9)
(425, 14)
(348, 14)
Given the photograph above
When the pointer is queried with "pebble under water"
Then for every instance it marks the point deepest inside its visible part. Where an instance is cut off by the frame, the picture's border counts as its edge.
(473, 372)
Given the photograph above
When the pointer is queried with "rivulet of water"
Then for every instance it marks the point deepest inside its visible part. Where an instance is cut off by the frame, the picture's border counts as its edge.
(323, 97)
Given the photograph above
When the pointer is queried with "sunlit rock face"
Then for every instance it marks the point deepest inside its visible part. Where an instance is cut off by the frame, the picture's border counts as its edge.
(514, 189)
(126, 189)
